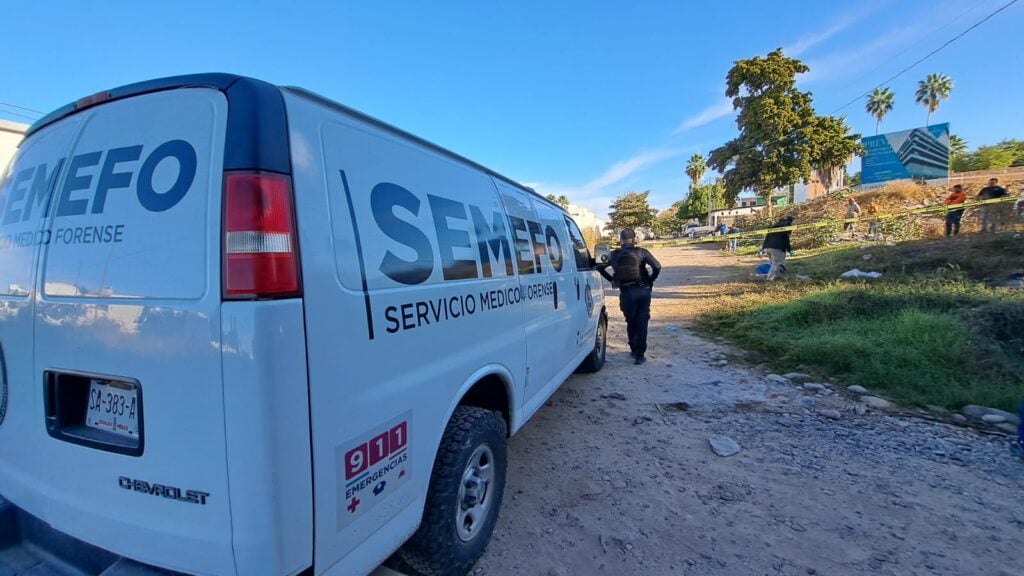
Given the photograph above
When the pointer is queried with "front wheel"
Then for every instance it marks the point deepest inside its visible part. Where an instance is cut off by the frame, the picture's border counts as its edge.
(595, 360)
(465, 494)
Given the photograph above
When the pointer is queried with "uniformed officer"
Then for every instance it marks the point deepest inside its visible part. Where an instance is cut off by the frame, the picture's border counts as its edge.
(632, 278)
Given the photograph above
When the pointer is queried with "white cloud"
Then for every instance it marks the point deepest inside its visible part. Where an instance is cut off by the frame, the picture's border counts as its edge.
(808, 41)
(869, 56)
(626, 168)
(594, 195)
(706, 116)
(805, 43)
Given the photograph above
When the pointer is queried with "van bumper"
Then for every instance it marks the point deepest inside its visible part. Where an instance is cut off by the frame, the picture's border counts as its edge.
(30, 546)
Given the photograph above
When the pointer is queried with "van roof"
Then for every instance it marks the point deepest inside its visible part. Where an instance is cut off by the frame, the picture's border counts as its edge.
(264, 150)
(395, 130)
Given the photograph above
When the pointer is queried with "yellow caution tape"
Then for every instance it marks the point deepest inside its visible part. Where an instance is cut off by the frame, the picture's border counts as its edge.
(797, 227)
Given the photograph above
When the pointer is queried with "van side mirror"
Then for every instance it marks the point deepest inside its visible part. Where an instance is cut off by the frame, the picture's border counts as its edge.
(602, 254)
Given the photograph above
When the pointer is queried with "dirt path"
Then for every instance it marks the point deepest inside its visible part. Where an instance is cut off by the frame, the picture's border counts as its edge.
(599, 485)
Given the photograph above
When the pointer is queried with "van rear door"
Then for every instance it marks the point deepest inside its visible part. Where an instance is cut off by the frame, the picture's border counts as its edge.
(115, 431)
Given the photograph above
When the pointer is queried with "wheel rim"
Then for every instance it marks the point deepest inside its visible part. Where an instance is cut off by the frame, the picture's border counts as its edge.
(475, 498)
(599, 346)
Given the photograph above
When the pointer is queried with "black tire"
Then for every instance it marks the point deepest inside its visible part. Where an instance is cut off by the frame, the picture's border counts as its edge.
(438, 548)
(595, 361)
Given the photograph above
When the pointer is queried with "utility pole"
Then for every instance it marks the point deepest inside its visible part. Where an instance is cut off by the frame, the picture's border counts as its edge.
(710, 208)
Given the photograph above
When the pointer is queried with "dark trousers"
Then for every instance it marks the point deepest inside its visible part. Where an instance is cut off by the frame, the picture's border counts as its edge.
(953, 221)
(635, 304)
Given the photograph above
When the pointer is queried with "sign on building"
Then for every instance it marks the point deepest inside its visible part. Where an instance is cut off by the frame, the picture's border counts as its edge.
(921, 153)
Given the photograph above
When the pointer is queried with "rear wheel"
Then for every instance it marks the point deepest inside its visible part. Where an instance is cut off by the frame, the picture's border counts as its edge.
(465, 494)
(595, 361)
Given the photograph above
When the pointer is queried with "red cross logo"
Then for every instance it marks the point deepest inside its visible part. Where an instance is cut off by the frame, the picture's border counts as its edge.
(353, 505)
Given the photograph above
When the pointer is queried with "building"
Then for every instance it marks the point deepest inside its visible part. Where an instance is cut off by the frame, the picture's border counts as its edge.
(922, 154)
(778, 199)
(11, 134)
(747, 206)
(586, 219)
(729, 215)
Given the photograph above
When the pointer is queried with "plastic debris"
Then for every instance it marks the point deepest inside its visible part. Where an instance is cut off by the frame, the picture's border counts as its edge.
(857, 273)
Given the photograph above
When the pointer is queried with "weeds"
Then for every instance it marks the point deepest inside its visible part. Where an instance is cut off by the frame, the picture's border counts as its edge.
(928, 333)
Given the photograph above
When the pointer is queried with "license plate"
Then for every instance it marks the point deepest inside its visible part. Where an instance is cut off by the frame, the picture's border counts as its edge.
(114, 407)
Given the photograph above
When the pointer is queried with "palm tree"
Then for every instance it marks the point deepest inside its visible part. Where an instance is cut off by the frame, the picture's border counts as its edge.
(957, 146)
(695, 169)
(879, 104)
(931, 92)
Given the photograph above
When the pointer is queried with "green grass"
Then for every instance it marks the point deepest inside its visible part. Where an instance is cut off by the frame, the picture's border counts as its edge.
(975, 258)
(926, 334)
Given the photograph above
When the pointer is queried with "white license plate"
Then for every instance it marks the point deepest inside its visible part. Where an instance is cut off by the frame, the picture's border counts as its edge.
(114, 407)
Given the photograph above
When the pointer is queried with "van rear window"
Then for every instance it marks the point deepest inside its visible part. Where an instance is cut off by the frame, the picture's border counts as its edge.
(24, 199)
(132, 215)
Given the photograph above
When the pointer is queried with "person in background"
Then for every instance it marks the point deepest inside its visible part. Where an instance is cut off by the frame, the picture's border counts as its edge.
(955, 198)
(990, 214)
(723, 229)
(733, 242)
(631, 276)
(852, 211)
(873, 228)
(777, 245)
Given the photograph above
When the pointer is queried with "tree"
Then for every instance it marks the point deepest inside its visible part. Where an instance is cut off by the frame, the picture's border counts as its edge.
(855, 179)
(833, 147)
(776, 121)
(931, 92)
(631, 210)
(992, 158)
(957, 146)
(1005, 154)
(696, 204)
(1017, 148)
(668, 221)
(695, 169)
(879, 104)
(562, 200)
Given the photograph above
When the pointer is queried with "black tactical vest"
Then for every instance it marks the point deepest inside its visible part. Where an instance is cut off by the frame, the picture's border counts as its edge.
(629, 268)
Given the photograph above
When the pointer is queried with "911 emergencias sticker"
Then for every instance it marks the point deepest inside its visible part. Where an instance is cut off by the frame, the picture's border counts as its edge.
(371, 467)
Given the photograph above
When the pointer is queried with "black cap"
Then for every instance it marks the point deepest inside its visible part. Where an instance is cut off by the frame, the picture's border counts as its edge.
(627, 234)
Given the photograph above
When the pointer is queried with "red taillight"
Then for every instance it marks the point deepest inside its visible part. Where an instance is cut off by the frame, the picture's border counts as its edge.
(260, 249)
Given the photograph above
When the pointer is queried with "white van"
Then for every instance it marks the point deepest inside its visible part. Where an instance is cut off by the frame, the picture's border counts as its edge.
(247, 330)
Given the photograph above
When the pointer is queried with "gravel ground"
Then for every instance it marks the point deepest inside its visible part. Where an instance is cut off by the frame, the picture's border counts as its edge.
(616, 474)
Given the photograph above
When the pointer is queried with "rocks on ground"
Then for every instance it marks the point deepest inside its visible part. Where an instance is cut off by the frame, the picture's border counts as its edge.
(979, 413)
(877, 403)
(723, 445)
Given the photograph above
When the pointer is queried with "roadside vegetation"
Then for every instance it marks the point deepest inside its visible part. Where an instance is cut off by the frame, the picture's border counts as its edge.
(931, 331)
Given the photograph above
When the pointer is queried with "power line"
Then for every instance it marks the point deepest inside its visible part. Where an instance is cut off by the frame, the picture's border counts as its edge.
(32, 118)
(929, 55)
(22, 108)
(892, 59)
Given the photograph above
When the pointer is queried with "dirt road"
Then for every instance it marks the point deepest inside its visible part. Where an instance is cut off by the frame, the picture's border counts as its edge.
(599, 485)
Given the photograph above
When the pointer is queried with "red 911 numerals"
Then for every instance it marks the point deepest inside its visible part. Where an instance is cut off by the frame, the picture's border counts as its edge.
(358, 459)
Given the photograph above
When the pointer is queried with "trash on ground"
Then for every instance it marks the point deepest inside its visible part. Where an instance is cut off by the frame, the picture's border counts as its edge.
(857, 273)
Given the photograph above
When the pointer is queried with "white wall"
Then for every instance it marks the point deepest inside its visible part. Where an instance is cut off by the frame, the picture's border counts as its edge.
(10, 134)
(585, 218)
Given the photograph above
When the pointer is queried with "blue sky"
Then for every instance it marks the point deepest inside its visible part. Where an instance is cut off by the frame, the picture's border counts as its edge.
(587, 98)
